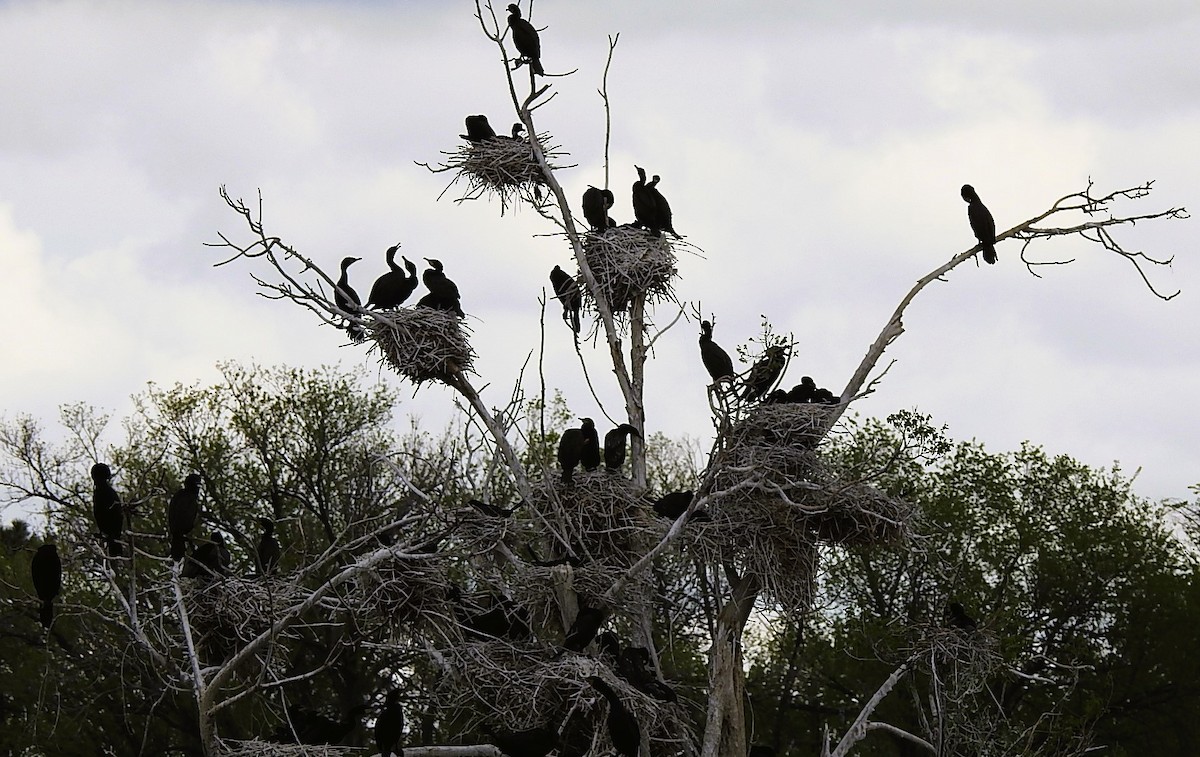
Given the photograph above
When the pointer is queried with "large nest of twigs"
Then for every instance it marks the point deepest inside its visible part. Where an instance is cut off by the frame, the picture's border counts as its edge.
(604, 516)
(421, 344)
(259, 748)
(628, 261)
(961, 658)
(240, 609)
(538, 590)
(501, 166)
(402, 590)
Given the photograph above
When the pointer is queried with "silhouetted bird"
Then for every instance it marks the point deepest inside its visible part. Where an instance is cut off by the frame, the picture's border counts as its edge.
(956, 617)
(209, 560)
(716, 360)
(614, 446)
(623, 727)
(494, 511)
(394, 287)
(826, 397)
(566, 560)
(661, 207)
(182, 515)
(504, 620)
(269, 551)
(535, 742)
(348, 300)
(805, 391)
(478, 129)
(517, 128)
(46, 570)
(589, 453)
(389, 726)
(567, 292)
(982, 223)
(526, 40)
(585, 626)
(596, 203)
(107, 510)
(609, 645)
(765, 372)
(672, 505)
(633, 665)
(645, 207)
(443, 293)
(777, 397)
(308, 727)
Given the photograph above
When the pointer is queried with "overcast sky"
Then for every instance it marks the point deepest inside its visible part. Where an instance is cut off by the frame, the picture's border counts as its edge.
(814, 155)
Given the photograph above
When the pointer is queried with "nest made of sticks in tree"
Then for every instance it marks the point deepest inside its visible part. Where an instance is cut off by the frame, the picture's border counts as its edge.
(628, 261)
(604, 516)
(402, 590)
(259, 748)
(538, 589)
(962, 658)
(503, 167)
(419, 343)
(235, 608)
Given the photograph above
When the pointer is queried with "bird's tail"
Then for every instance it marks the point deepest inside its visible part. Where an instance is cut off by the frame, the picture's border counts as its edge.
(178, 548)
(536, 65)
(47, 613)
(114, 549)
(356, 332)
(989, 254)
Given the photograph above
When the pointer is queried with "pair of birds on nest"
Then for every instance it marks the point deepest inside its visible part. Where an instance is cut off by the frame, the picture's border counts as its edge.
(581, 446)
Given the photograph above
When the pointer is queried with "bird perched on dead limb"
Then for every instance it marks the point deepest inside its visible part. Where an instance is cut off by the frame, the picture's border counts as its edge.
(107, 509)
(443, 293)
(348, 301)
(614, 446)
(716, 360)
(394, 287)
(46, 571)
(765, 372)
(567, 292)
(526, 40)
(478, 129)
(183, 513)
(596, 203)
(982, 223)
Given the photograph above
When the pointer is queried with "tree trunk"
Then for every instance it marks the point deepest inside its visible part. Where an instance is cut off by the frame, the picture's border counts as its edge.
(725, 731)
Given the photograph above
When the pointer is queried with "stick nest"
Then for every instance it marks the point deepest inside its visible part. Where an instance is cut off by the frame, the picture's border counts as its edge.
(259, 748)
(401, 590)
(627, 261)
(538, 589)
(421, 344)
(604, 516)
(240, 609)
(503, 167)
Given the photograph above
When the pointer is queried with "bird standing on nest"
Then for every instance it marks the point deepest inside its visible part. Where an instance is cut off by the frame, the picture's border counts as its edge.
(526, 40)
(765, 372)
(46, 571)
(589, 452)
(572, 446)
(394, 287)
(614, 446)
(107, 510)
(389, 726)
(183, 513)
(716, 360)
(443, 293)
(478, 129)
(209, 560)
(596, 203)
(567, 292)
(957, 617)
(269, 551)
(348, 300)
(982, 223)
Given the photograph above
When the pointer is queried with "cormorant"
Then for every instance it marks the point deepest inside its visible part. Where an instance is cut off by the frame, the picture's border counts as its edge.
(982, 223)
(672, 505)
(614, 446)
(662, 209)
(107, 510)
(47, 580)
(571, 560)
(208, 560)
(182, 514)
(394, 287)
(716, 360)
(777, 397)
(389, 726)
(443, 293)
(308, 727)
(765, 372)
(633, 665)
(478, 129)
(645, 209)
(567, 292)
(269, 551)
(517, 128)
(494, 511)
(348, 300)
(826, 397)
(596, 203)
(585, 626)
(505, 620)
(623, 727)
(589, 451)
(609, 645)
(526, 40)
(805, 391)
(956, 617)
(535, 742)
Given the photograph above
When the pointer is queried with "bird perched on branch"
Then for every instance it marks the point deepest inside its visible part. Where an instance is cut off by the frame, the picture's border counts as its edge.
(183, 513)
(579, 445)
(443, 293)
(614, 446)
(394, 287)
(982, 223)
(596, 203)
(269, 551)
(623, 727)
(46, 570)
(209, 560)
(107, 510)
(716, 360)
(567, 292)
(389, 726)
(348, 301)
(534, 742)
(526, 40)
(765, 372)
(478, 129)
